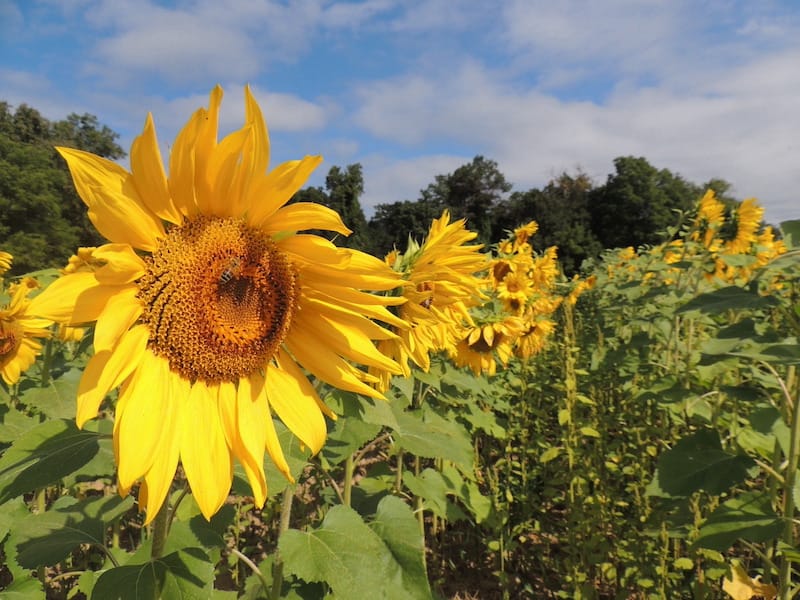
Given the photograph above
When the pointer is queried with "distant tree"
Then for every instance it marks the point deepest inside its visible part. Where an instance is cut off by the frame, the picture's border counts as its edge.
(561, 210)
(471, 192)
(637, 203)
(42, 218)
(392, 224)
(342, 193)
(85, 132)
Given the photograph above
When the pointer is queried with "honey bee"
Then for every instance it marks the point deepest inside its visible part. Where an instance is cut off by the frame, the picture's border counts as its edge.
(231, 270)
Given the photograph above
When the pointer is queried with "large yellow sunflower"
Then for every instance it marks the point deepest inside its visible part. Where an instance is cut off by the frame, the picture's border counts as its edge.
(440, 285)
(209, 306)
(19, 329)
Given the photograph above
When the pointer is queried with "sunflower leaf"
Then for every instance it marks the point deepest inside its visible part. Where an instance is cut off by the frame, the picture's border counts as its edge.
(57, 399)
(187, 574)
(43, 456)
(47, 538)
(348, 555)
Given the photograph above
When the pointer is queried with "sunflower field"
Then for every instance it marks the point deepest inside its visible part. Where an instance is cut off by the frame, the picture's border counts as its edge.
(218, 404)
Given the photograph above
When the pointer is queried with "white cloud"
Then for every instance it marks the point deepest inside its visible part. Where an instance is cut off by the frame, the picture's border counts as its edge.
(388, 180)
(741, 125)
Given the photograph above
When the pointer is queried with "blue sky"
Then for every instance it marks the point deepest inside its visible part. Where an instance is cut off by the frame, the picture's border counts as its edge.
(412, 89)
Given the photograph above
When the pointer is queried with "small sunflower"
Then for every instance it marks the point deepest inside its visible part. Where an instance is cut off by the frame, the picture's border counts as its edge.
(209, 307)
(441, 286)
(710, 219)
(20, 330)
(480, 347)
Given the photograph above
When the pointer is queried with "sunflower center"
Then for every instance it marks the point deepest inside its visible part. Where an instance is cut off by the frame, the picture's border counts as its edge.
(218, 299)
(10, 340)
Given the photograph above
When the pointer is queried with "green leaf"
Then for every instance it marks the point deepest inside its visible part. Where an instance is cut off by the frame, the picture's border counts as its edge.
(748, 516)
(697, 462)
(296, 458)
(727, 298)
(352, 559)
(348, 435)
(57, 400)
(187, 574)
(43, 456)
(433, 488)
(24, 589)
(47, 538)
(791, 230)
(15, 424)
(396, 525)
(425, 433)
(196, 532)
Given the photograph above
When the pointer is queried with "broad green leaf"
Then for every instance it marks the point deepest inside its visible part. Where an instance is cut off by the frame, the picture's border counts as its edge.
(14, 424)
(348, 435)
(550, 454)
(396, 525)
(196, 532)
(424, 433)
(47, 538)
(748, 516)
(57, 400)
(28, 588)
(727, 298)
(343, 552)
(184, 575)
(698, 462)
(43, 456)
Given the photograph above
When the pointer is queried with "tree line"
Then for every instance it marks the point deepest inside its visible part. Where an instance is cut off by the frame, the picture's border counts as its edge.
(43, 221)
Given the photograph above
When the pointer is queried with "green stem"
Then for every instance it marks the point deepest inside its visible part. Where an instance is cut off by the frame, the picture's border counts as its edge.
(398, 475)
(47, 359)
(785, 574)
(277, 567)
(160, 530)
(349, 469)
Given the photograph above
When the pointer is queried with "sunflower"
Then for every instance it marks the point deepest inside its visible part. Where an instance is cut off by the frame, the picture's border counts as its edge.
(748, 220)
(441, 285)
(209, 307)
(710, 219)
(480, 346)
(5, 262)
(19, 329)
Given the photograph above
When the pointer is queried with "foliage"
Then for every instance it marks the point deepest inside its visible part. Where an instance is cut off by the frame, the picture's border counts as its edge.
(42, 219)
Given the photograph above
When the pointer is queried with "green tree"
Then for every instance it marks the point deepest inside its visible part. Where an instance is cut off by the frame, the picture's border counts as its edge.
(393, 223)
(561, 210)
(342, 193)
(471, 192)
(42, 218)
(637, 203)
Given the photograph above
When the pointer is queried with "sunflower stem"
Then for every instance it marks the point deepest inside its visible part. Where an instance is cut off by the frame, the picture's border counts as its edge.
(349, 468)
(277, 566)
(160, 530)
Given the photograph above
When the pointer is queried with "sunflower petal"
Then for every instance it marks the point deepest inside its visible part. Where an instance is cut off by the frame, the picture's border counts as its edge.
(295, 405)
(204, 453)
(149, 179)
(107, 369)
(301, 216)
(276, 188)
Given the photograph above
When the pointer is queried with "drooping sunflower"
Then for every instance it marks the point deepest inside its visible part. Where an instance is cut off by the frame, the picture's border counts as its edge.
(20, 329)
(480, 346)
(748, 220)
(441, 284)
(210, 307)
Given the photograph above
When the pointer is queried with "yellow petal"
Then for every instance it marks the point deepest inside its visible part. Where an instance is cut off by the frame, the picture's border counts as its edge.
(260, 410)
(107, 369)
(158, 480)
(204, 453)
(301, 216)
(122, 266)
(182, 165)
(148, 174)
(249, 436)
(294, 403)
(115, 208)
(204, 146)
(73, 299)
(119, 314)
(328, 366)
(121, 220)
(146, 418)
(277, 187)
(221, 172)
